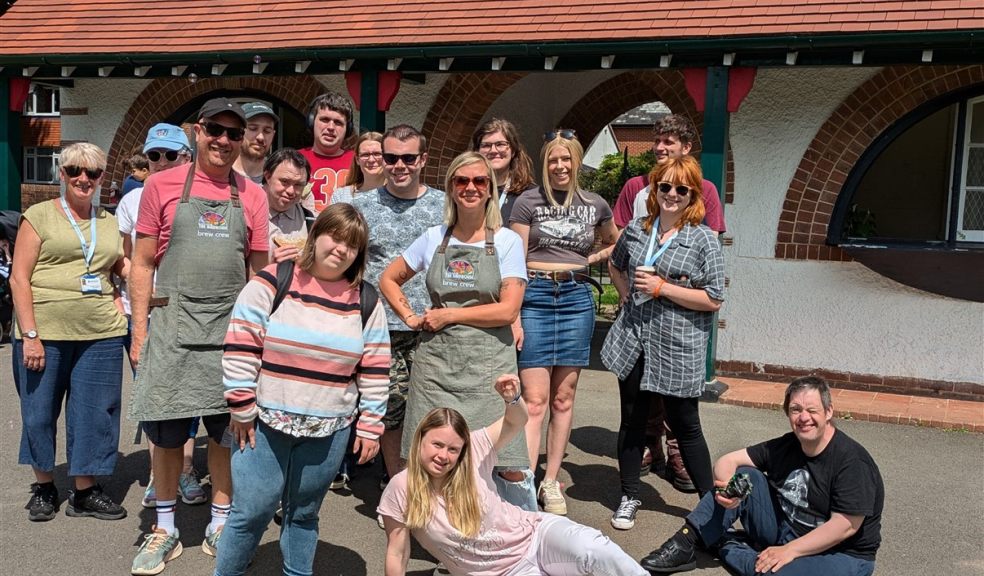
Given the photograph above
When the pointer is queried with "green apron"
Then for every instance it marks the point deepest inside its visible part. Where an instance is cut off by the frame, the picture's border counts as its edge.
(200, 275)
(457, 366)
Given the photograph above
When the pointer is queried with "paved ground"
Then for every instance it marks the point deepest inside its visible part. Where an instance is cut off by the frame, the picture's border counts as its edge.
(934, 502)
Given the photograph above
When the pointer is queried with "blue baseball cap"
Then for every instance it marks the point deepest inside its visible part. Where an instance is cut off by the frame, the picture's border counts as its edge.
(166, 137)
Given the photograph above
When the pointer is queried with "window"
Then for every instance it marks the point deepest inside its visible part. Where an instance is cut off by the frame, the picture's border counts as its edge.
(970, 216)
(42, 101)
(41, 165)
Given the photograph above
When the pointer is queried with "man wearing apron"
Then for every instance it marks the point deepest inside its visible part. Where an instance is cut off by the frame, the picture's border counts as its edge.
(200, 226)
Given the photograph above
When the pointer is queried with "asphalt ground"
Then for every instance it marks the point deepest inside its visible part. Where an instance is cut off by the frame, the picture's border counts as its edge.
(933, 523)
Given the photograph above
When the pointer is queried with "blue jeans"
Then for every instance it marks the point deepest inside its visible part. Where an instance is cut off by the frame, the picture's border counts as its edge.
(558, 319)
(521, 494)
(87, 374)
(281, 469)
(766, 525)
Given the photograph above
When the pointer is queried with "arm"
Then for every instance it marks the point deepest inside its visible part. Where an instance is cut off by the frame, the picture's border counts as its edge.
(724, 469)
(503, 430)
(502, 313)
(840, 527)
(609, 234)
(391, 281)
(242, 355)
(141, 286)
(620, 280)
(26, 252)
(372, 381)
(257, 261)
(710, 276)
(397, 547)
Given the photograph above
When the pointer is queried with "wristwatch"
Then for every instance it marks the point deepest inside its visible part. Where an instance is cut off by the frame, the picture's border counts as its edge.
(31, 334)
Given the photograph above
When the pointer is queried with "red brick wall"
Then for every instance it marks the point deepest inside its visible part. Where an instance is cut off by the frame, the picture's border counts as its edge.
(871, 109)
(31, 194)
(41, 131)
(639, 139)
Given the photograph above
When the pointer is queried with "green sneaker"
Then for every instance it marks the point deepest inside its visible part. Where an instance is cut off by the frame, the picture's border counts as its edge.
(210, 545)
(158, 547)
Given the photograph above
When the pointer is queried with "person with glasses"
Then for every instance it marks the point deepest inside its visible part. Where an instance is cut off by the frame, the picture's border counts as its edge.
(565, 230)
(68, 338)
(475, 274)
(261, 134)
(366, 172)
(498, 141)
(201, 230)
(669, 273)
(398, 212)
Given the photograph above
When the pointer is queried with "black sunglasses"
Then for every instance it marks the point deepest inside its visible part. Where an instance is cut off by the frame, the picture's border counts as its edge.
(171, 155)
(666, 187)
(216, 130)
(408, 159)
(565, 133)
(76, 171)
(461, 182)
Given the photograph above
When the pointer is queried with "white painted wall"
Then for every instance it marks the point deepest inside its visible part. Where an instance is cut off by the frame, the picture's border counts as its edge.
(411, 104)
(837, 316)
(107, 100)
(603, 145)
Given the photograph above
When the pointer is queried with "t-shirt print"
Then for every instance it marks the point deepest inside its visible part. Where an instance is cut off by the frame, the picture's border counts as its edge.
(570, 228)
(794, 499)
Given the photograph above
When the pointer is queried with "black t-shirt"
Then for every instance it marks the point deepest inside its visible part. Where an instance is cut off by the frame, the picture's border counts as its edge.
(843, 478)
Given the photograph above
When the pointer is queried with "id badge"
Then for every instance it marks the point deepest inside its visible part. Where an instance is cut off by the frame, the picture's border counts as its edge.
(640, 297)
(91, 284)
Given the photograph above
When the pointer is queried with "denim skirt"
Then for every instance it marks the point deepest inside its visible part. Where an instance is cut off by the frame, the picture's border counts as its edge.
(558, 321)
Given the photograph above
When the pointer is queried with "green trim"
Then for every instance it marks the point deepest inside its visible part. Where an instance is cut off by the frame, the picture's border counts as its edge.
(10, 151)
(370, 117)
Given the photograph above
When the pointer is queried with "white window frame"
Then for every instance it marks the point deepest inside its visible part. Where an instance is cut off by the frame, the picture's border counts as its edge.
(31, 155)
(968, 235)
(31, 105)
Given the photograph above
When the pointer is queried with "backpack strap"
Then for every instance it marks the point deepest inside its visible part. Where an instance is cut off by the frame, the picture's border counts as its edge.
(285, 271)
(368, 297)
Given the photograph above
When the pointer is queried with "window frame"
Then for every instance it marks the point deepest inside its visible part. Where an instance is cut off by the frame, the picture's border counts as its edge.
(31, 157)
(31, 105)
(965, 235)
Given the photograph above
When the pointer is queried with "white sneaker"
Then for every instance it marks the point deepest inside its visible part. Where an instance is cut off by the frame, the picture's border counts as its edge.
(552, 498)
(624, 517)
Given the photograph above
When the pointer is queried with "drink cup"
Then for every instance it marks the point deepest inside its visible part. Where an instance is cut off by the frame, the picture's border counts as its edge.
(646, 269)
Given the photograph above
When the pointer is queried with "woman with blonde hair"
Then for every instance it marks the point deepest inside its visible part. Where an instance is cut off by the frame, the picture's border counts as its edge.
(669, 272)
(445, 500)
(366, 172)
(565, 230)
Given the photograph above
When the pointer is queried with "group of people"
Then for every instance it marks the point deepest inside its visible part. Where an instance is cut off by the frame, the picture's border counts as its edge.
(313, 307)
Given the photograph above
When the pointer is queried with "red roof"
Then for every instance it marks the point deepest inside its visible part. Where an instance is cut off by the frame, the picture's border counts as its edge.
(36, 27)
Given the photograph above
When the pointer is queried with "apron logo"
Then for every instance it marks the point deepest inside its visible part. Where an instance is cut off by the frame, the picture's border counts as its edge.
(459, 273)
(213, 225)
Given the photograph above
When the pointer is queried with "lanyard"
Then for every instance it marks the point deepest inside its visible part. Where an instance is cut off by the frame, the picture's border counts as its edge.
(650, 257)
(503, 194)
(87, 249)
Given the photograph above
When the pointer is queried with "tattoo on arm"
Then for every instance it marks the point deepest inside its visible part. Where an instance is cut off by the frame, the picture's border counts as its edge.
(507, 282)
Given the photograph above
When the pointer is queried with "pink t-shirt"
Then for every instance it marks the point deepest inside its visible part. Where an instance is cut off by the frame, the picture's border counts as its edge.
(327, 173)
(624, 206)
(502, 540)
(162, 193)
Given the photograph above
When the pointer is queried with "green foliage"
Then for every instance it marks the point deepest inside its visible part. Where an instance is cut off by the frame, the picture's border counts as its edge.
(608, 179)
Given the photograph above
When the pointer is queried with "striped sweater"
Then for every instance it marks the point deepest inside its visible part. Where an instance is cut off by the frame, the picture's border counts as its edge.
(311, 357)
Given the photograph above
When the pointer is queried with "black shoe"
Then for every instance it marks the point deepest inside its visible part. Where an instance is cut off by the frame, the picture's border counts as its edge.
(94, 502)
(669, 558)
(43, 504)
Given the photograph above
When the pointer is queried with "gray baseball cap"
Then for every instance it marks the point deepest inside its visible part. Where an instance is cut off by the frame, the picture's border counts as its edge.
(253, 109)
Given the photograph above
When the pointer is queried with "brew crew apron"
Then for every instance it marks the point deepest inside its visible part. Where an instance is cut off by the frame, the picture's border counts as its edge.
(457, 366)
(201, 274)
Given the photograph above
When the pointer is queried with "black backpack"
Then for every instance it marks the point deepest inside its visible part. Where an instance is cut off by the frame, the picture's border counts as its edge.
(285, 271)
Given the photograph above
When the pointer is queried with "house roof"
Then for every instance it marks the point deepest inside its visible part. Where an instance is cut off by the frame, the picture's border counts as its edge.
(642, 115)
(55, 29)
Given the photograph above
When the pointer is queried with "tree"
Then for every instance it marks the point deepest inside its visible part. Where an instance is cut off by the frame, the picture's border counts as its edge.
(611, 174)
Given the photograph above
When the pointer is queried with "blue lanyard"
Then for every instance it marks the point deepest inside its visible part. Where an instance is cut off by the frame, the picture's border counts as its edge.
(87, 249)
(650, 257)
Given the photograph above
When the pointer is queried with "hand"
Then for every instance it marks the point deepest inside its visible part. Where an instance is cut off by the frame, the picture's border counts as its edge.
(366, 448)
(414, 322)
(721, 499)
(118, 302)
(33, 354)
(508, 386)
(284, 253)
(645, 282)
(437, 318)
(773, 558)
(518, 334)
(242, 431)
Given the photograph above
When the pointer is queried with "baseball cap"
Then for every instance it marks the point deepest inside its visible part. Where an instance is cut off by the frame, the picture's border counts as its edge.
(166, 137)
(217, 106)
(252, 109)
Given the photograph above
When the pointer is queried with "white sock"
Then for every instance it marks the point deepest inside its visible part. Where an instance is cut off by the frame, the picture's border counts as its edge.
(220, 513)
(165, 515)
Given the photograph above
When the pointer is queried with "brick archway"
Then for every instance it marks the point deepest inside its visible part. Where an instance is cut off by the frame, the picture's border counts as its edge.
(164, 96)
(870, 110)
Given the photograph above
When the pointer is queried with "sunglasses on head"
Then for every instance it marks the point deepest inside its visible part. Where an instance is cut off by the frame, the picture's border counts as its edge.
(565, 133)
(408, 159)
(216, 130)
(170, 155)
(76, 171)
(461, 182)
(666, 187)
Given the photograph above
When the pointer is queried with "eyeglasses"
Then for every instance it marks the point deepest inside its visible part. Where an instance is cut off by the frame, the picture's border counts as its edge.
(461, 182)
(565, 133)
(666, 187)
(500, 146)
(216, 130)
(373, 155)
(408, 159)
(170, 155)
(76, 171)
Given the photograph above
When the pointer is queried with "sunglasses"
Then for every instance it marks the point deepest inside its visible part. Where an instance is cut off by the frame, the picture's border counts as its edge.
(170, 155)
(565, 133)
(408, 159)
(76, 171)
(461, 182)
(666, 187)
(216, 130)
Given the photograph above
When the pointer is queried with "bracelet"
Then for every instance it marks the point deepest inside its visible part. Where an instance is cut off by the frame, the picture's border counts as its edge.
(658, 288)
(409, 316)
(514, 401)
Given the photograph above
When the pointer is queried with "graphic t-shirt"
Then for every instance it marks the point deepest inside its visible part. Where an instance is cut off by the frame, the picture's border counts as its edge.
(508, 251)
(394, 223)
(558, 234)
(505, 533)
(843, 478)
(327, 173)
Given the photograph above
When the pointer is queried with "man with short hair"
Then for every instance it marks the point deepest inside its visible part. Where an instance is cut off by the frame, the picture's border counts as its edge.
(201, 228)
(814, 505)
(398, 212)
(673, 138)
(261, 131)
(285, 174)
(330, 120)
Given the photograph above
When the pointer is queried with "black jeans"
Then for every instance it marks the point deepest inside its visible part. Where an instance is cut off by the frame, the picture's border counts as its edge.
(684, 419)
